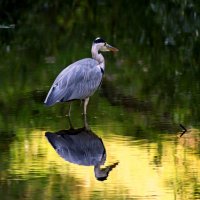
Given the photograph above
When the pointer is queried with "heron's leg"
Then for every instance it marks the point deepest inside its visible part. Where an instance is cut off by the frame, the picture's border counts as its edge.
(85, 123)
(85, 105)
(69, 109)
(68, 116)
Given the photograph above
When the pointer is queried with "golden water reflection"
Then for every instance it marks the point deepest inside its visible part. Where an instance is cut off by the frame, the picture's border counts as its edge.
(167, 169)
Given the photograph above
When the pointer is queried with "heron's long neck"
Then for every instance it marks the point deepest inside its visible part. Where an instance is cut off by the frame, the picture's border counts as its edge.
(98, 57)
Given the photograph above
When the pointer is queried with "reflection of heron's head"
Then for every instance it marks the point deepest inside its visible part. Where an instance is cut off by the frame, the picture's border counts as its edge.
(102, 178)
(102, 174)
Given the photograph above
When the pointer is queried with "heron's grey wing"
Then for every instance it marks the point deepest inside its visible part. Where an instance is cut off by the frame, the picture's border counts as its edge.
(86, 80)
(78, 81)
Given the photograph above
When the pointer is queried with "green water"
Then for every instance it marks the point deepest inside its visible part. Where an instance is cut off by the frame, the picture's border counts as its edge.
(150, 87)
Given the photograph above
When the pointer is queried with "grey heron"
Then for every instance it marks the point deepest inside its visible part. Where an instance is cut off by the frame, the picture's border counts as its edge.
(81, 79)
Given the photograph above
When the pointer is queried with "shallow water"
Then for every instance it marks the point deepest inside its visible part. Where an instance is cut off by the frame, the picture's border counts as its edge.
(162, 167)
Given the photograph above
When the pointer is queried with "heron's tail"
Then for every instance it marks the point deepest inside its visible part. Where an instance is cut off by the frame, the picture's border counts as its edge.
(50, 100)
(56, 95)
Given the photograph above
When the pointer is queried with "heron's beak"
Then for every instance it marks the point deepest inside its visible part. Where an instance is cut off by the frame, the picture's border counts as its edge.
(110, 48)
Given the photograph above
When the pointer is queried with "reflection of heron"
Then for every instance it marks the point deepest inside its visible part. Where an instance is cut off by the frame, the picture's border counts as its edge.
(80, 79)
(81, 146)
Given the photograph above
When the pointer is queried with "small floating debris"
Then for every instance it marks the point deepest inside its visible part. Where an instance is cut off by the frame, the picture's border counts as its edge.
(184, 130)
(7, 26)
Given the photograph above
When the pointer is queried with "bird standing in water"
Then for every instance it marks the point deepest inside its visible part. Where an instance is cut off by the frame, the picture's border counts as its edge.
(81, 79)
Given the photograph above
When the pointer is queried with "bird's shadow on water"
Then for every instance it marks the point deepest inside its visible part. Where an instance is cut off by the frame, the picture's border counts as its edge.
(83, 147)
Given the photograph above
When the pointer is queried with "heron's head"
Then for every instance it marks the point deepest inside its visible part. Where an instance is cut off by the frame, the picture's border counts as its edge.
(101, 45)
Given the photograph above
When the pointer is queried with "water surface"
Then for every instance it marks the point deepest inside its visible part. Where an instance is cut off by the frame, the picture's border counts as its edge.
(150, 87)
(163, 167)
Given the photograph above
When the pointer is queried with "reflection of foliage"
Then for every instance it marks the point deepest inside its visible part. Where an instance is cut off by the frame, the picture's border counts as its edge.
(179, 23)
(154, 23)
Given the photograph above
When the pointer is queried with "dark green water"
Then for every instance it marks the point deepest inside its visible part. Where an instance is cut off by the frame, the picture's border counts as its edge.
(150, 87)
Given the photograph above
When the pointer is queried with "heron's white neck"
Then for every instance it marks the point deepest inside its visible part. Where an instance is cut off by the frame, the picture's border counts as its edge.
(98, 56)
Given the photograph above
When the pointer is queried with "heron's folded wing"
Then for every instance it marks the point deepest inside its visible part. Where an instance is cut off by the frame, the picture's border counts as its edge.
(77, 81)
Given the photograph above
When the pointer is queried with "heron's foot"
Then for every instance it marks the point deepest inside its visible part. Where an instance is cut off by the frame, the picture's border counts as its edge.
(87, 127)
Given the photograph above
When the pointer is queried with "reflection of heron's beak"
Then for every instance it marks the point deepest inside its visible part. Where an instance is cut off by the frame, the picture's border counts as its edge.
(110, 48)
(102, 174)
